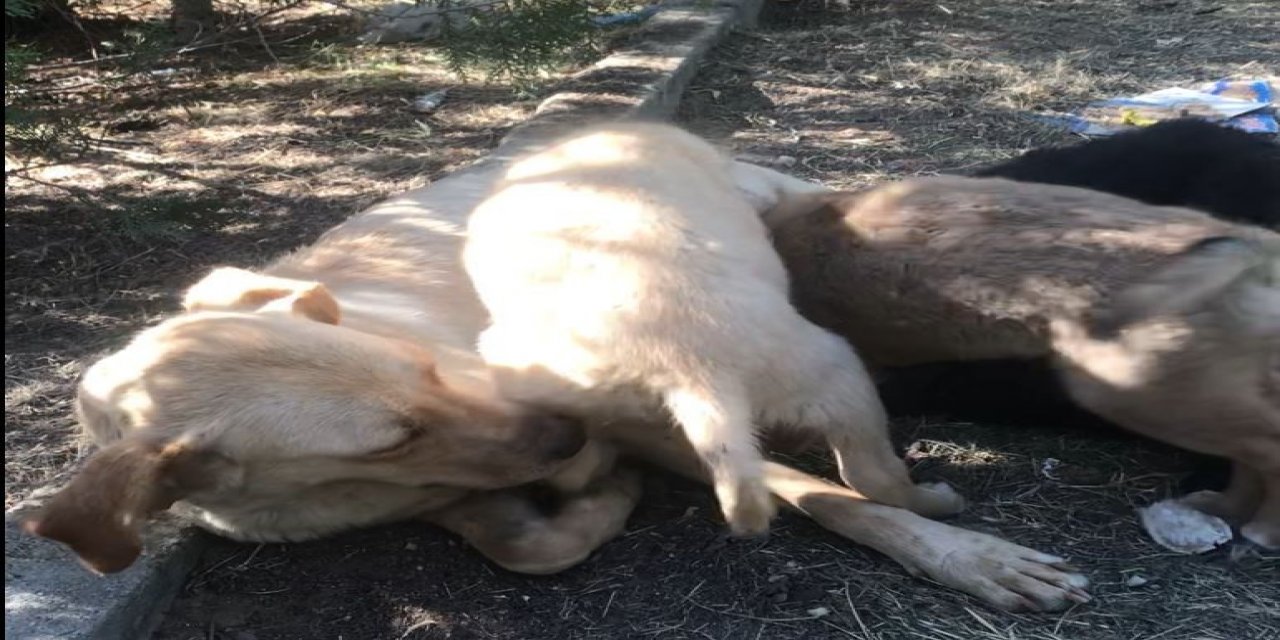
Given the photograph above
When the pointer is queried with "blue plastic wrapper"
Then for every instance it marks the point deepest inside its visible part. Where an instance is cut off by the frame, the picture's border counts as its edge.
(629, 17)
(1242, 104)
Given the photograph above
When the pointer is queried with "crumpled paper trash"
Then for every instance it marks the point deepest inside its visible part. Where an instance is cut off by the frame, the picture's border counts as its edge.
(1242, 104)
(429, 102)
(625, 18)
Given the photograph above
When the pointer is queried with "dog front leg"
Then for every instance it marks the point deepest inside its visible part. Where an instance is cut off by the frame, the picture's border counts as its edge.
(1001, 573)
(512, 531)
(717, 420)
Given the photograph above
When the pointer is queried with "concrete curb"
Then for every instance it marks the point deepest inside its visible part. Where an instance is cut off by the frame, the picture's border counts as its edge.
(642, 80)
(49, 595)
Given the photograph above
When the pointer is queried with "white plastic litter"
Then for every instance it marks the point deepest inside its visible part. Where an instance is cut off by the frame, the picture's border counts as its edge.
(1177, 527)
(1048, 467)
(428, 102)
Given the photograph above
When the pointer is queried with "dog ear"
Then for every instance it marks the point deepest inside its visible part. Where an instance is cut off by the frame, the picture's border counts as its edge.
(231, 289)
(1186, 281)
(100, 513)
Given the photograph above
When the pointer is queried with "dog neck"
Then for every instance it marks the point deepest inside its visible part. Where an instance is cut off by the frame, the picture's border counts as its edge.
(396, 271)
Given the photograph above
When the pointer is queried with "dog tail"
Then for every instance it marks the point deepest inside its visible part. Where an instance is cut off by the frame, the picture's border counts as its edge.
(1241, 272)
(777, 196)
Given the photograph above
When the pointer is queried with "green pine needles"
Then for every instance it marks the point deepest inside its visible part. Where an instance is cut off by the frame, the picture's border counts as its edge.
(519, 41)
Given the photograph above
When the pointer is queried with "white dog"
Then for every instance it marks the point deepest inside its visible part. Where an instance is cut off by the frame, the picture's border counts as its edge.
(625, 273)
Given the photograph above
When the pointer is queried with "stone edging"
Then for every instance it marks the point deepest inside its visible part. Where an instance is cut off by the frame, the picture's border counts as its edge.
(49, 595)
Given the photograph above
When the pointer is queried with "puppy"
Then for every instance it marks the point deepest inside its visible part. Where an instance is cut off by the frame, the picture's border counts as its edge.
(1188, 163)
(624, 273)
(1165, 321)
(1227, 173)
(279, 408)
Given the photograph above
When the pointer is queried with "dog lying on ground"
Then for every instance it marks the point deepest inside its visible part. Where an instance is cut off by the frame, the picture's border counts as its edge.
(1187, 163)
(242, 449)
(1165, 321)
(627, 276)
(1191, 163)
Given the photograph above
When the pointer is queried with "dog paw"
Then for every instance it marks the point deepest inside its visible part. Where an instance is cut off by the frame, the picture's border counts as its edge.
(1216, 503)
(936, 500)
(748, 508)
(1006, 575)
(1263, 534)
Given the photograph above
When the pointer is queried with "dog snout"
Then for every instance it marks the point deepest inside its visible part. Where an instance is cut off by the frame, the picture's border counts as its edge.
(556, 436)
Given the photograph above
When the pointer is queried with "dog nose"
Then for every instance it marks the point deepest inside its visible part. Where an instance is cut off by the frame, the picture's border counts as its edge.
(560, 437)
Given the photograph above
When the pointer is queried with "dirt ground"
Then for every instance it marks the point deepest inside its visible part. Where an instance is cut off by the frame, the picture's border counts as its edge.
(850, 95)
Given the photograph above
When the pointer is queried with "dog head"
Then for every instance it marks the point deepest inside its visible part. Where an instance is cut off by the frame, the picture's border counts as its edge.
(260, 391)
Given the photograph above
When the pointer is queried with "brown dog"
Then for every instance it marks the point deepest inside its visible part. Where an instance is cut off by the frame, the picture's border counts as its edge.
(339, 387)
(1163, 320)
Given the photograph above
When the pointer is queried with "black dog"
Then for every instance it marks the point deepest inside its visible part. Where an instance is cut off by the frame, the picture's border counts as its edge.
(1228, 173)
(1187, 163)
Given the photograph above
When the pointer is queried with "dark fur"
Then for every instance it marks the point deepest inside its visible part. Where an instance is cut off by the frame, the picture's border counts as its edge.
(1230, 174)
(1189, 163)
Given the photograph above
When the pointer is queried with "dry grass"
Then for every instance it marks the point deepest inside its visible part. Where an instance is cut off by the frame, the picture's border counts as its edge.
(889, 89)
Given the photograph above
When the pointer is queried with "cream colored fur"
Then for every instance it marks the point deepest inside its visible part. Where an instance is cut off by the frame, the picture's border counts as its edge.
(625, 273)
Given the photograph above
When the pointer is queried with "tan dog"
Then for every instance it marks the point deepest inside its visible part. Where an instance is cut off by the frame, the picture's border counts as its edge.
(235, 411)
(627, 277)
(1163, 320)
(394, 276)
